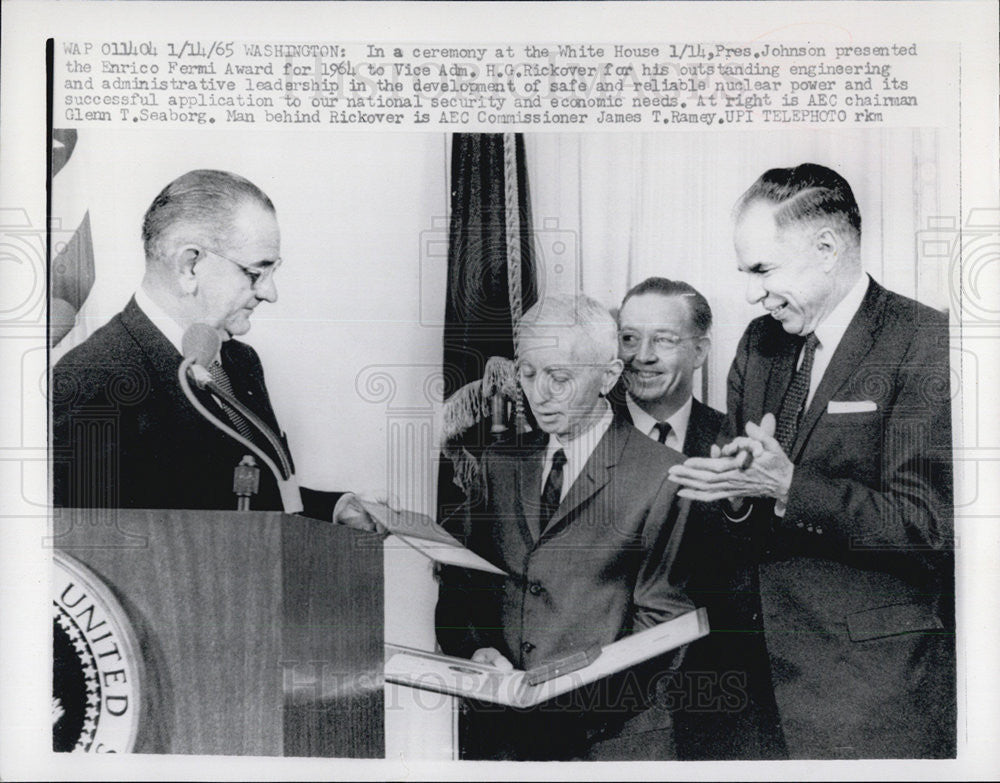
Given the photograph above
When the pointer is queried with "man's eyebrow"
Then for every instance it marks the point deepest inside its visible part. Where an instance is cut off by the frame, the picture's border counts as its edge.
(756, 268)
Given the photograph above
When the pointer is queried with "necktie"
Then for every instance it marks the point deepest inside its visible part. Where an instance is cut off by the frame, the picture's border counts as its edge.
(662, 430)
(552, 490)
(221, 378)
(795, 397)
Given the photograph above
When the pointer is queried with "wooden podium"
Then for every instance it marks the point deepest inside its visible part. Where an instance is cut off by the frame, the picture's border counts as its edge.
(260, 633)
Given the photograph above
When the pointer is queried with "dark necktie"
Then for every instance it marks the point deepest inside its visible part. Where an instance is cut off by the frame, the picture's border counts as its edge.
(662, 430)
(221, 378)
(795, 397)
(552, 490)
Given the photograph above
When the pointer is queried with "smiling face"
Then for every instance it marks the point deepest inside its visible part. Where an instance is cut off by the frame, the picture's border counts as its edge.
(661, 351)
(790, 270)
(233, 277)
(563, 380)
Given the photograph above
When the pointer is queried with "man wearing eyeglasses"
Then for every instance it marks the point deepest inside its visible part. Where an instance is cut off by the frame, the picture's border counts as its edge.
(124, 434)
(721, 697)
(662, 339)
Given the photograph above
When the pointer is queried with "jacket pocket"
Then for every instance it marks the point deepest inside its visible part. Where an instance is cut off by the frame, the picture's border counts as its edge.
(891, 621)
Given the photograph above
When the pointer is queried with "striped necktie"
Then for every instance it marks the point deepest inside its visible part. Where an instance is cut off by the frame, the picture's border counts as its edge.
(221, 378)
(795, 397)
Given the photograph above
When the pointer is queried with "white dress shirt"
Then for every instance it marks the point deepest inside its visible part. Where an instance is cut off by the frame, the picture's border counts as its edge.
(831, 331)
(577, 450)
(678, 422)
(167, 325)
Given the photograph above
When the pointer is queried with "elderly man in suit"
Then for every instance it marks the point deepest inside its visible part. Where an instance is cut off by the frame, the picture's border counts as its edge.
(587, 525)
(124, 434)
(840, 479)
(724, 707)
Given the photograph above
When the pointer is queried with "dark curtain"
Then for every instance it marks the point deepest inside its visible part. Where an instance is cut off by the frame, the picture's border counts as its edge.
(477, 305)
(478, 325)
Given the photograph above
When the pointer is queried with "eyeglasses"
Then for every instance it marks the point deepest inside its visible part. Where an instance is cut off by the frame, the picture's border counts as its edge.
(256, 275)
(661, 342)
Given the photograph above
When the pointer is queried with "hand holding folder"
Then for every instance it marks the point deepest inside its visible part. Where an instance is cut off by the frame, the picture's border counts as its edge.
(517, 688)
(417, 530)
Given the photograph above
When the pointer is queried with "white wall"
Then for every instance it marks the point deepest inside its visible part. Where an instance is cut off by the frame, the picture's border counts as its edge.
(633, 205)
(353, 210)
(350, 360)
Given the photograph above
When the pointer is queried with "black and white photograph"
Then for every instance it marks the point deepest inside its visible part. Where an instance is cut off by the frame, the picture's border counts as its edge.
(388, 402)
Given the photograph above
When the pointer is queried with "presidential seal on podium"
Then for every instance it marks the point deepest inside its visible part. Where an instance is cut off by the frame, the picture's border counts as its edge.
(96, 668)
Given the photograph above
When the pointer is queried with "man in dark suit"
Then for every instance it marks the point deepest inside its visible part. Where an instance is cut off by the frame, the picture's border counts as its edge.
(587, 526)
(124, 434)
(840, 398)
(662, 339)
(723, 706)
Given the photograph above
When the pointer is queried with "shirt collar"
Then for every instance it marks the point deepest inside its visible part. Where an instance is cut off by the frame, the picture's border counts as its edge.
(831, 330)
(678, 421)
(579, 449)
(167, 325)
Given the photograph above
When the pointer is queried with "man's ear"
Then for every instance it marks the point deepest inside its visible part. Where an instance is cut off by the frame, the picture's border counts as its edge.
(612, 372)
(828, 245)
(701, 348)
(184, 260)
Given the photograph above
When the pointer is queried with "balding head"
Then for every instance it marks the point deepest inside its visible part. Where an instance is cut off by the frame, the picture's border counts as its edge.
(807, 194)
(199, 206)
(212, 246)
(566, 354)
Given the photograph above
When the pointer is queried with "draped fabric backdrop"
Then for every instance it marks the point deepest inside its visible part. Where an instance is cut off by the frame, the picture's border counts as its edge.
(71, 245)
(478, 314)
(628, 206)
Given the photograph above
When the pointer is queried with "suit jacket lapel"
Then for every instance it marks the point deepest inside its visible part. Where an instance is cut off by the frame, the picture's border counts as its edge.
(779, 376)
(854, 346)
(595, 474)
(700, 436)
(529, 474)
(165, 360)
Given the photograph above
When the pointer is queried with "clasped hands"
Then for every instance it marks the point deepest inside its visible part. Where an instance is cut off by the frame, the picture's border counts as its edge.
(753, 465)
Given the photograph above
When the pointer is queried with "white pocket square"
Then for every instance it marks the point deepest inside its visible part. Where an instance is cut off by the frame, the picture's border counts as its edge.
(851, 406)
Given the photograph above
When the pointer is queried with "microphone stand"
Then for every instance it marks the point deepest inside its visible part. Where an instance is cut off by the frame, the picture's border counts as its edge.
(291, 499)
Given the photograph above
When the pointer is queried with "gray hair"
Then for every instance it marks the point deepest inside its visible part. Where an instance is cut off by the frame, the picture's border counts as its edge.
(591, 324)
(803, 193)
(203, 200)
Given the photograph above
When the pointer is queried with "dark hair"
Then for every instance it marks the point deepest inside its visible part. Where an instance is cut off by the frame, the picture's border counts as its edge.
(701, 313)
(205, 198)
(806, 192)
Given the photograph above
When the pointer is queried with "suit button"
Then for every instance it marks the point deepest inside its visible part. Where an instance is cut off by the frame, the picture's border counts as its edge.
(799, 525)
(535, 589)
(819, 531)
(527, 647)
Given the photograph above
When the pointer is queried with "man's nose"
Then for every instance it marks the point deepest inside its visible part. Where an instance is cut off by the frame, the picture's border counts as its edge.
(646, 353)
(266, 289)
(754, 290)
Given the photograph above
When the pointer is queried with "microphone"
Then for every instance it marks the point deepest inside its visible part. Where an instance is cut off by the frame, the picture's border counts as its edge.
(201, 344)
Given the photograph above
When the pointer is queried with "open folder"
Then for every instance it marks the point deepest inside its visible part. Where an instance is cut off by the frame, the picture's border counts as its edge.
(424, 534)
(462, 677)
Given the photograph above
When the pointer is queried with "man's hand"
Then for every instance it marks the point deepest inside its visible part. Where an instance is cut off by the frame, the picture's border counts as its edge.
(750, 466)
(492, 657)
(349, 511)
